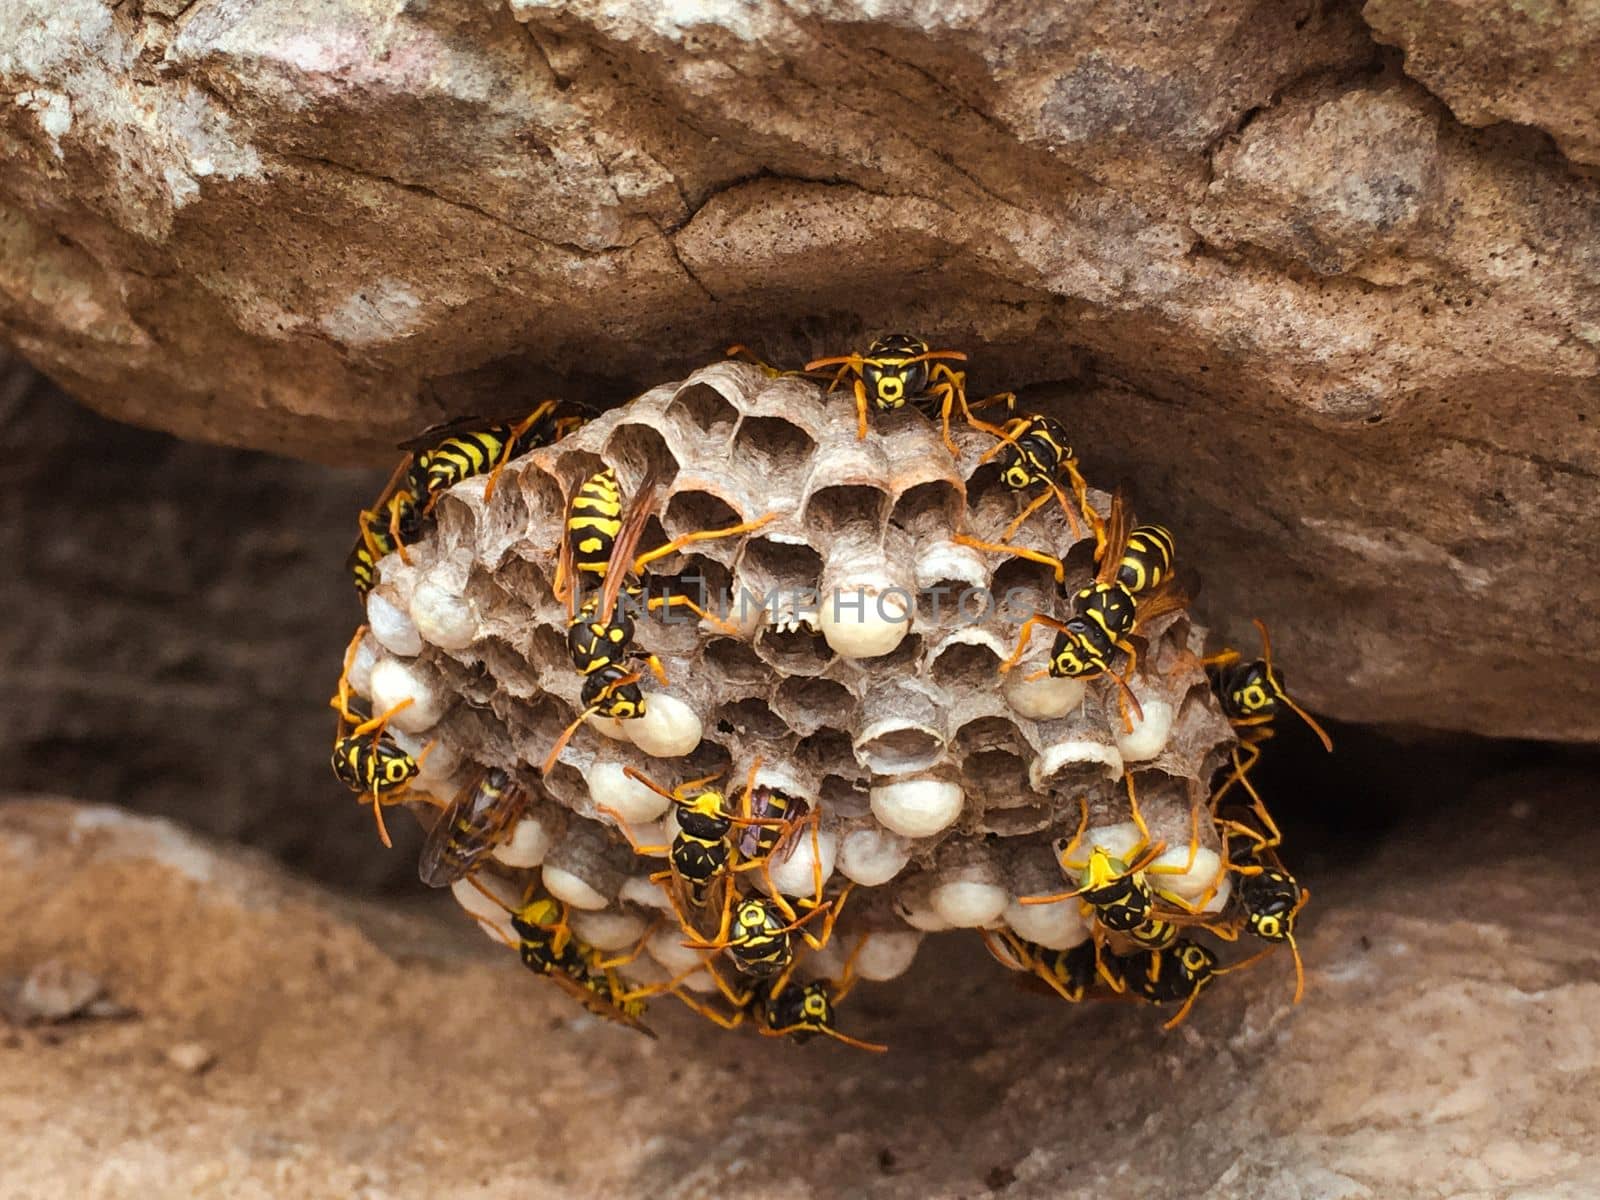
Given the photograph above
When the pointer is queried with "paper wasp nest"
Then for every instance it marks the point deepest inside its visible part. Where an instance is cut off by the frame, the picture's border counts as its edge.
(942, 783)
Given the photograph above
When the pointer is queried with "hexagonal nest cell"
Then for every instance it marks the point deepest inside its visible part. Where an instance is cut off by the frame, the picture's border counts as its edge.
(860, 677)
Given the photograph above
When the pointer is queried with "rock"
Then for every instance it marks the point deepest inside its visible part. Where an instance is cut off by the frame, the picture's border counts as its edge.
(1443, 1047)
(176, 616)
(191, 1057)
(1346, 345)
(1498, 60)
(54, 991)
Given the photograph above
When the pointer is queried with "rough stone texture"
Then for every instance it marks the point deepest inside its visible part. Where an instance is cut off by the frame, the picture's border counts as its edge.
(176, 616)
(283, 1043)
(1353, 342)
(1504, 60)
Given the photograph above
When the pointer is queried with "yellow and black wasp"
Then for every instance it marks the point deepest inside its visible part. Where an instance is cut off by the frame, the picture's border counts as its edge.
(1173, 974)
(1267, 896)
(1115, 884)
(1069, 973)
(436, 459)
(703, 854)
(899, 369)
(366, 759)
(477, 820)
(741, 351)
(597, 548)
(394, 523)
(785, 1008)
(547, 946)
(446, 454)
(1134, 584)
(803, 1010)
(759, 941)
(1251, 695)
(1034, 451)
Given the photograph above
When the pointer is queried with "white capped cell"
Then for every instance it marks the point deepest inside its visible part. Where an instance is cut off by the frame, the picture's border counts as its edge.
(1045, 698)
(887, 955)
(873, 856)
(792, 871)
(437, 761)
(361, 664)
(917, 807)
(391, 625)
(493, 917)
(1149, 736)
(915, 906)
(1119, 841)
(669, 728)
(530, 840)
(610, 786)
(564, 885)
(864, 617)
(667, 948)
(637, 889)
(1059, 925)
(968, 903)
(1204, 875)
(394, 681)
(442, 616)
(608, 930)
(608, 727)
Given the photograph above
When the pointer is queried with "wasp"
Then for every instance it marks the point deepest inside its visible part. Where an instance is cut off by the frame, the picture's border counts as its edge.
(1251, 695)
(366, 759)
(597, 546)
(1269, 898)
(739, 350)
(394, 523)
(702, 854)
(1133, 585)
(473, 824)
(759, 941)
(547, 946)
(1069, 973)
(1174, 974)
(446, 454)
(598, 540)
(899, 369)
(783, 1007)
(1116, 886)
(1034, 450)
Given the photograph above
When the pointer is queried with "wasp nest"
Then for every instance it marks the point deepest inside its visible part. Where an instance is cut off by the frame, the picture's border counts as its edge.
(857, 667)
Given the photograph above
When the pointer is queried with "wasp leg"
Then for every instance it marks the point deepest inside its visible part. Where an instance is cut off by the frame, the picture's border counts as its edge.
(622, 828)
(703, 535)
(728, 1021)
(1034, 506)
(1127, 703)
(1057, 567)
(341, 699)
(375, 725)
(680, 601)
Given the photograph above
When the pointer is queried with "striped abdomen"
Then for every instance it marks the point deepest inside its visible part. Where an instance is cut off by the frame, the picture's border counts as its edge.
(463, 456)
(593, 521)
(1147, 559)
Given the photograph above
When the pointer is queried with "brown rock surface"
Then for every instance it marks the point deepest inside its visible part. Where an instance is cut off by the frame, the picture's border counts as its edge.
(1504, 60)
(177, 615)
(1446, 1048)
(1348, 346)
